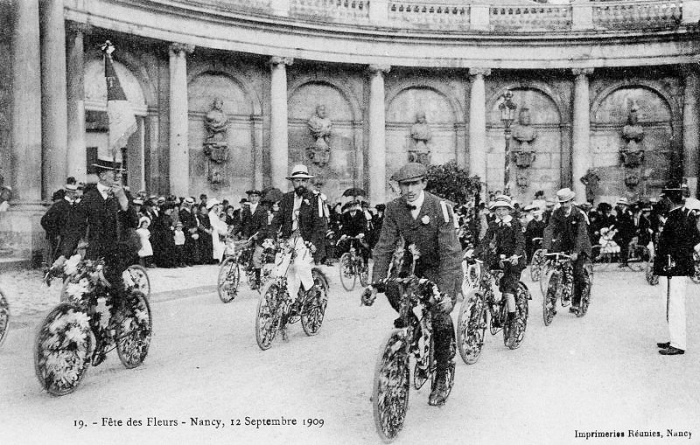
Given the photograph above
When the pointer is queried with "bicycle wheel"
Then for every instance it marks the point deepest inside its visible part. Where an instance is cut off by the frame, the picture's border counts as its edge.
(585, 294)
(536, 265)
(269, 314)
(637, 260)
(471, 327)
(347, 272)
(549, 301)
(601, 260)
(134, 329)
(391, 386)
(4, 317)
(314, 309)
(516, 333)
(651, 278)
(228, 280)
(62, 349)
(543, 277)
(136, 276)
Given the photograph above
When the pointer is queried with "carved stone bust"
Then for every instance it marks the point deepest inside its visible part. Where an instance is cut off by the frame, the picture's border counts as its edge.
(421, 135)
(320, 127)
(524, 132)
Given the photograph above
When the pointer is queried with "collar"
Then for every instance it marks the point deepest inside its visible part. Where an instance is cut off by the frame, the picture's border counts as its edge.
(103, 189)
(71, 201)
(506, 219)
(419, 201)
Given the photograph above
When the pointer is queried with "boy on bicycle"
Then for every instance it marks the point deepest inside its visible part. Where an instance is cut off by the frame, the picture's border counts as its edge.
(503, 246)
(567, 232)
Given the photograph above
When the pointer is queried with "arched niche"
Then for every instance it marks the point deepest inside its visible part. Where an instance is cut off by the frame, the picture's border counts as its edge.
(342, 108)
(551, 146)
(442, 113)
(656, 112)
(237, 173)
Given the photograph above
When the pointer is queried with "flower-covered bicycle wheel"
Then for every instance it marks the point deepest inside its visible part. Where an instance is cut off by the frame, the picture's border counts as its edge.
(269, 314)
(228, 280)
(62, 349)
(471, 327)
(391, 386)
(514, 335)
(347, 272)
(4, 317)
(536, 265)
(136, 277)
(585, 294)
(134, 330)
(314, 308)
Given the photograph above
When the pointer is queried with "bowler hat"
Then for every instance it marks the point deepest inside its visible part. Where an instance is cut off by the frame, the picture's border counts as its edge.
(565, 195)
(410, 172)
(299, 171)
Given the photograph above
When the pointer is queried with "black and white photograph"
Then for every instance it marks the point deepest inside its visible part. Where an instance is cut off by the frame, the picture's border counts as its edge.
(349, 222)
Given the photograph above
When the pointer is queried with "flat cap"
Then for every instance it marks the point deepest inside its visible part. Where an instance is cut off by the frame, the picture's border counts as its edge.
(410, 172)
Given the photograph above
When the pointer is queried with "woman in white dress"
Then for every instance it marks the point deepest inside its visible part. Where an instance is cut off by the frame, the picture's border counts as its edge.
(219, 228)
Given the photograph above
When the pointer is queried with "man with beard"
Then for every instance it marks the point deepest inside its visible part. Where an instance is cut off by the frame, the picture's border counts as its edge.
(423, 220)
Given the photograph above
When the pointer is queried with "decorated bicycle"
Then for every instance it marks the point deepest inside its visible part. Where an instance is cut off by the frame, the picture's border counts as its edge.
(4, 317)
(293, 274)
(410, 344)
(352, 264)
(484, 308)
(560, 287)
(239, 256)
(94, 320)
(135, 277)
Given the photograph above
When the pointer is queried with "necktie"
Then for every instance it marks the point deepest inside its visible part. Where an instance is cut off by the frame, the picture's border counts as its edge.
(411, 207)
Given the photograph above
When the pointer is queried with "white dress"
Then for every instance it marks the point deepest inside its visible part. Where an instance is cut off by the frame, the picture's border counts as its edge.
(218, 227)
(146, 248)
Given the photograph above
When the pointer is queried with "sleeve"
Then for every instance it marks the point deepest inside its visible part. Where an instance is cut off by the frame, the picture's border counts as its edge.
(450, 257)
(388, 238)
(49, 221)
(73, 236)
(548, 235)
(519, 239)
(583, 244)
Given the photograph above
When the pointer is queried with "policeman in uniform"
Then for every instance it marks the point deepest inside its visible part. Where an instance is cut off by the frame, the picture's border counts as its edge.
(429, 223)
(674, 264)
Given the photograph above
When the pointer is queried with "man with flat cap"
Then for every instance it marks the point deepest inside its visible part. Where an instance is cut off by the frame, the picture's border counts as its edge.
(567, 232)
(674, 263)
(424, 220)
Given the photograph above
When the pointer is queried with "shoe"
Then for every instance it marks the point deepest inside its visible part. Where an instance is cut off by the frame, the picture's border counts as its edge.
(574, 310)
(671, 350)
(622, 265)
(399, 324)
(663, 345)
(283, 332)
(440, 393)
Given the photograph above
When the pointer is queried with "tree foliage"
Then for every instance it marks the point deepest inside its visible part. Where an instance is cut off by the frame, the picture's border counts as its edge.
(451, 182)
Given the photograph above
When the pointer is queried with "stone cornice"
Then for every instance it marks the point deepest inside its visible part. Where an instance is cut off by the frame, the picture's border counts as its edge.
(376, 69)
(276, 60)
(181, 48)
(338, 43)
(582, 71)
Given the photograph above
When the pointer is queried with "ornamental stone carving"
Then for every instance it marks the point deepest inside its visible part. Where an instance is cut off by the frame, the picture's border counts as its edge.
(216, 122)
(320, 127)
(421, 136)
(524, 134)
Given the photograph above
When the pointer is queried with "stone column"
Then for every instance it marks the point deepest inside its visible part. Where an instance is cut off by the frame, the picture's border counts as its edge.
(179, 151)
(376, 154)
(581, 158)
(77, 154)
(691, 139)
(26, 104)
(54, 112)
(477, 123)
(279, 137)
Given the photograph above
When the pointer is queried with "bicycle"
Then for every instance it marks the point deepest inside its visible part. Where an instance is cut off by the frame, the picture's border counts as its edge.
(135, 276)
(352, 265)
(79, 332)
(4, 317)
(537, 262)
(480, 310)
(411, 339)
(236, 253)
(560, 286)
(276, 309)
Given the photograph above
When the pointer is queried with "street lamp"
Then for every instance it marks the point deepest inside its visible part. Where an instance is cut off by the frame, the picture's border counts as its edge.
(507, 108)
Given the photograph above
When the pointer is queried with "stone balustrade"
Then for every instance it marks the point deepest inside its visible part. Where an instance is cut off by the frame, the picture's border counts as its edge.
(455, 15)
(638, 14)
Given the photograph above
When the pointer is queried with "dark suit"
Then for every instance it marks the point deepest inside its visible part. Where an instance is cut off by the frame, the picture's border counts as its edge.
(59, 222)
(440, 260)
(676, 242)
(504, 238)
(625, 232)
(108, 232)
(189, 227)
(310, 223)
(252, 222)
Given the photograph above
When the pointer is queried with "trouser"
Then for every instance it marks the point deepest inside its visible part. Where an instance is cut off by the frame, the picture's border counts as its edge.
(443, 329)
(624, 249)
(673, 298)
(579, 280)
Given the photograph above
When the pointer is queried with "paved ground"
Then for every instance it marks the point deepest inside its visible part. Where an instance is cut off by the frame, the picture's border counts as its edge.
(600, 373)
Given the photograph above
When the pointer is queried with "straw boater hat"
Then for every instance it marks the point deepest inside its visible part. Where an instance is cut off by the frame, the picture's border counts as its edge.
(71, 187)
(565, 195)
(622, 201)
(410, 172)
(300, 171)
(212, 202)
(502, 201)
(105, 164)
(254, 192)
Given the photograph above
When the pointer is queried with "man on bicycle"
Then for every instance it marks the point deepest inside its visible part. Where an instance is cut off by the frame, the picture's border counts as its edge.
(567, 232)
(429, 223)
(503, 246)
(354, 224)
(299, 217)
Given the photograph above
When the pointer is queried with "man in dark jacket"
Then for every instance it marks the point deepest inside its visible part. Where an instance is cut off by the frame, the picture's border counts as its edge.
(568, 232)
(59, 221)
(427, 222)
(352, 224)
(189, 227)
(674, 263)
(626, 229)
